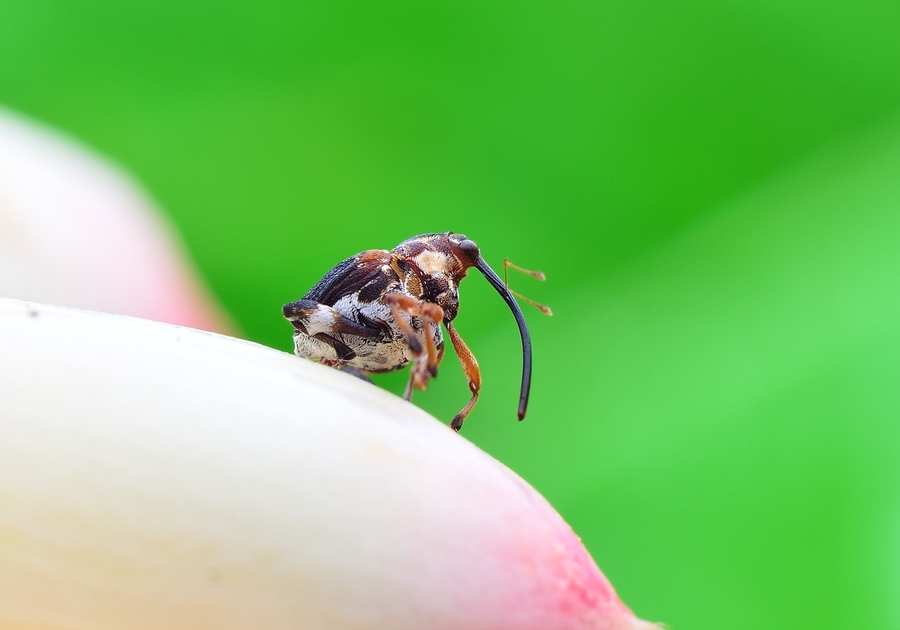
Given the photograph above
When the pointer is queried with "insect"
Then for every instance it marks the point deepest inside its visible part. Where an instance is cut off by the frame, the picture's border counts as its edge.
(380, 310)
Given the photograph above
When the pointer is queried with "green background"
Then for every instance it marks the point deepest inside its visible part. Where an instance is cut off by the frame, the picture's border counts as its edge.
(713, 189)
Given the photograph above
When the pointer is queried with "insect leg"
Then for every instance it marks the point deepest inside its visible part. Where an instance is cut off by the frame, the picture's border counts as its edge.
(343, 352)
(471, 370)
(312, 318)
(349, 369)
(322, 322)
(426, 363)
(394, 300)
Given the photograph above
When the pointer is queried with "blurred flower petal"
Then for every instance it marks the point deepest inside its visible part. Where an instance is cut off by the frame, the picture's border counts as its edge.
(74, 230)
(155, 476)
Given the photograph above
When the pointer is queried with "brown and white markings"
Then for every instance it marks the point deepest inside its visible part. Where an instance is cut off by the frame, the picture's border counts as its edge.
(379, 310)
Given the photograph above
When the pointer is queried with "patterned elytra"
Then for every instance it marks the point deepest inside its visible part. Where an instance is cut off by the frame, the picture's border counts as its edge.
(380, 310)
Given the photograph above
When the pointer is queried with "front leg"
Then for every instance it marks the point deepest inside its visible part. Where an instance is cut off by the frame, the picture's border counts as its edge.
(471, 370)
(426, 362)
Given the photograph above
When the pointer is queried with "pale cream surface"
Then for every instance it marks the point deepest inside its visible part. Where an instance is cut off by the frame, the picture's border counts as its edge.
(153, 476)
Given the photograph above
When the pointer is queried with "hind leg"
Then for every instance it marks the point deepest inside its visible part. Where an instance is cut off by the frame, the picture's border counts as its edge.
(321, 322)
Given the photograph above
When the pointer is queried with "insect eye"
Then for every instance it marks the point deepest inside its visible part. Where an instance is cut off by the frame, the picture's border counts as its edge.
(470, 249)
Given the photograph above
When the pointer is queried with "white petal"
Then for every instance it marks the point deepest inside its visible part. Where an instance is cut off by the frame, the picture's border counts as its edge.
(74, 230)
(153, 476)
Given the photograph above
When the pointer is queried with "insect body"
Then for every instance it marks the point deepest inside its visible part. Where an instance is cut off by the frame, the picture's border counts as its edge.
(380, 310)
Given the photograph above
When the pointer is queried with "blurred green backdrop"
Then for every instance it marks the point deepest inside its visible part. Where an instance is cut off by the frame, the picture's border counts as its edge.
(713, 189)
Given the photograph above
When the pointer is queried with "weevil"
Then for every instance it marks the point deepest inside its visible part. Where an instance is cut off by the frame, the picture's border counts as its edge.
(380, 310)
